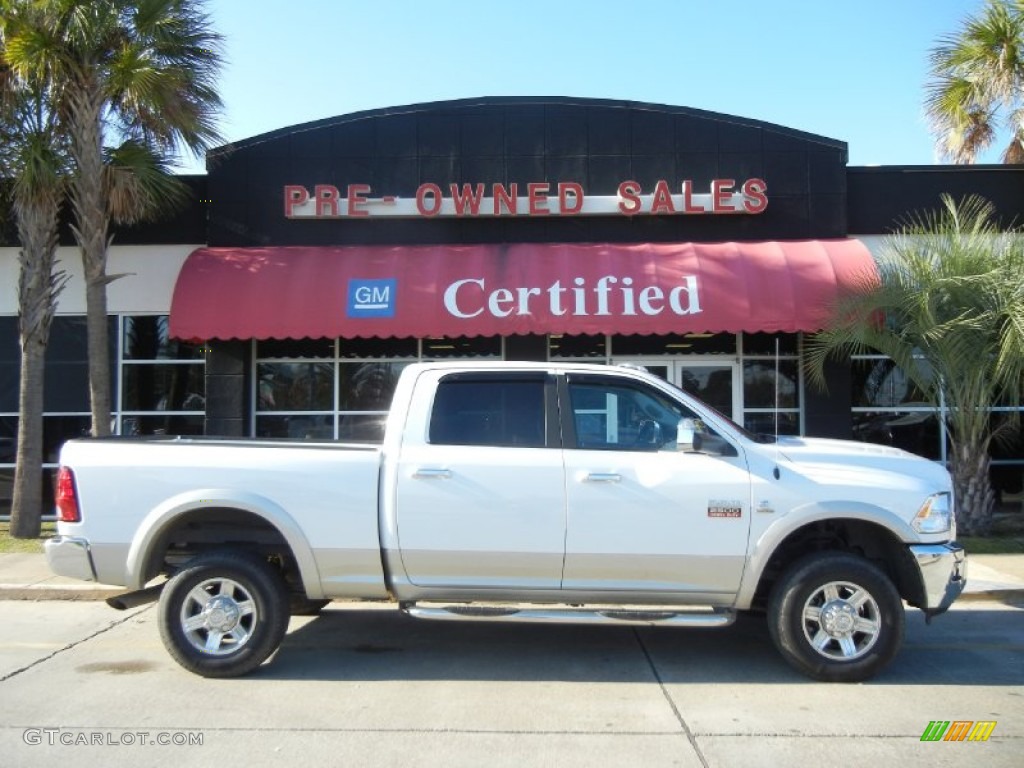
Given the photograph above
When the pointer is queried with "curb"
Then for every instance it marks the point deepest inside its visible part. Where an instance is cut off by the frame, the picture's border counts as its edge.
(1012, 596)
(70, 593)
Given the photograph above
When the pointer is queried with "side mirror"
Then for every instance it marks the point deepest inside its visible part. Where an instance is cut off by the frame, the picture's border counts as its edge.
(685, 434)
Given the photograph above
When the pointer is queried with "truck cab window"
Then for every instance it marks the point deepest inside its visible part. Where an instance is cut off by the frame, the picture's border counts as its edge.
(493, 412)
(613, 415)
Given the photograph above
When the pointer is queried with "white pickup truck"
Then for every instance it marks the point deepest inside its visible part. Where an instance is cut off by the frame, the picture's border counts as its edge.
(516, 492)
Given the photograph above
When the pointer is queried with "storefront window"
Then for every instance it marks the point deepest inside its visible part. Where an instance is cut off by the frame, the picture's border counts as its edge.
(772, 385)
(368, 386)
(463, 346)
(675, 344)
(10, 363)
(295, 386)
(162, 381)
(770, 343)
(346, 393)
(579, 347)
(145, 337)
(377, 348)
(295, 348)
(879, 383)
(156, 387)
(916, 431)
(159, 387)
(767, 385)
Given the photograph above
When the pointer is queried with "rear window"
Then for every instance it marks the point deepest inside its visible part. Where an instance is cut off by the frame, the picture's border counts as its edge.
(499, 412)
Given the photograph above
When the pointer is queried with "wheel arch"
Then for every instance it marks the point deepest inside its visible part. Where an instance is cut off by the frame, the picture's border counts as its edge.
(214, 518)
(852, 534)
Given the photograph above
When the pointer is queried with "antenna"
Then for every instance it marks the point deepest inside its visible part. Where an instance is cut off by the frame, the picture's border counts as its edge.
(776, 390)
(775, 472)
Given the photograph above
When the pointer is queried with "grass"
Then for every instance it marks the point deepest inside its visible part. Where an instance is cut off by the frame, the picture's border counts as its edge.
(9, 544)
(1006, 538)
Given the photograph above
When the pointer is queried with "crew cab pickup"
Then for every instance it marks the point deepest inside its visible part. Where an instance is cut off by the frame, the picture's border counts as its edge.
(515, 492)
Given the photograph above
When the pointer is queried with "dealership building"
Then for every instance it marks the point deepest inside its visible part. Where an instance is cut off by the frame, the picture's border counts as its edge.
(311, 264)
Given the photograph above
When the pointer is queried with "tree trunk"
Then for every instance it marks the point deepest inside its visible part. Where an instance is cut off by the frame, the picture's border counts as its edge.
(975, 497)
(27, 506)
(99, 357)
(38, 288)
(91, 225)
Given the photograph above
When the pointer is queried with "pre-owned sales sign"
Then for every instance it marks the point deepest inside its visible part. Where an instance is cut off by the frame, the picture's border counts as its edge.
(542, 198)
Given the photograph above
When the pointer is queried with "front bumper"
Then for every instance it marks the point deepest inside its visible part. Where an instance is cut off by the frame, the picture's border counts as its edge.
(943, 569)
(70, 556)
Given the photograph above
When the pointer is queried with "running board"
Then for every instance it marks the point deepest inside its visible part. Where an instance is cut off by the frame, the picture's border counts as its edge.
(634, 616)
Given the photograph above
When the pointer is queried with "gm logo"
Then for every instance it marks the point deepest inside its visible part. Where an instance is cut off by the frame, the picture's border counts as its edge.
(371, 298)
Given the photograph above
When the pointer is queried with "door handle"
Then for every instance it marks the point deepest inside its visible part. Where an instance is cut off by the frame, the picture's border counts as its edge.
(428, 473)
(603, 477)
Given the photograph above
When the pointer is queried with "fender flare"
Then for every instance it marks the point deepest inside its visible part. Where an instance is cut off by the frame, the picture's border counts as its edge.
(760, 552)
(165, 514)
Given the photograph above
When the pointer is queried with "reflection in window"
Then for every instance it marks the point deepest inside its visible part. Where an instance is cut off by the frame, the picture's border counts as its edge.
(762, 388)
(879, 383)
(915, 431)
(146, 337)
(162, 387)
(295, 386)
(162, 380)
(367, 386)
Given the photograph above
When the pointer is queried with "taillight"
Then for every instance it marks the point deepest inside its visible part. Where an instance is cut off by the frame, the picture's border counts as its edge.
(67, 500)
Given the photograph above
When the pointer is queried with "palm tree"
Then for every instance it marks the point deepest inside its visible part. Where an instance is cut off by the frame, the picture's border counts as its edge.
(949, 310)
(138, 76)
(33, 157)
(977, 80)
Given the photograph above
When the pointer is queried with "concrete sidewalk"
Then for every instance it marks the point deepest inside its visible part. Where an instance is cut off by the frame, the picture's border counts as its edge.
(27, 577)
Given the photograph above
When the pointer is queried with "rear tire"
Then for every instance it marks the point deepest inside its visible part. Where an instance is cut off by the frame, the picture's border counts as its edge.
(223, 614)
(836, 617)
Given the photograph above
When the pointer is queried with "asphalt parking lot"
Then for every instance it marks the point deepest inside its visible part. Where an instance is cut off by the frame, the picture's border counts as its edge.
(83, 685)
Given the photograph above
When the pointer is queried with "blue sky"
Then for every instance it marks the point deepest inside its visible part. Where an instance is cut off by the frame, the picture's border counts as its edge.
(851, 70)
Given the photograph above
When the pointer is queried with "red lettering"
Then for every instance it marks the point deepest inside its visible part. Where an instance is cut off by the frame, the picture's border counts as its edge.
(537, 193)
(469, 197)
(629, 198)
(688, 206)
(507, 197)
(357, 198)
(326, 200)
(721, 195)
(570, 198)
(755, 199)
(294, 196)
(662, 202)
(431, 191)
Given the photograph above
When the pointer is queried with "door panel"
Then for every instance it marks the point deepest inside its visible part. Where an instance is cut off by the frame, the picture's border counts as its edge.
(480, 501)
(471, 517)
(645, 516)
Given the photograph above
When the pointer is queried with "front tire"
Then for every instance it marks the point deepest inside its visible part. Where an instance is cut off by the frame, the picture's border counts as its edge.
(836, 617)
(223, 614)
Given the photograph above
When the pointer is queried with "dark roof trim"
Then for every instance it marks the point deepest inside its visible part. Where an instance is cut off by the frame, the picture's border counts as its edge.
(513, 101)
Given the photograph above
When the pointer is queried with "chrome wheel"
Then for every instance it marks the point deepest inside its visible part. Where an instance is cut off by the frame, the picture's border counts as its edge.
(218, 616)
(836, 617)
(841, 621)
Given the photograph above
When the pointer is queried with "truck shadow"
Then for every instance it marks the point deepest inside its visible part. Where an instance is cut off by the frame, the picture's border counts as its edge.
(963, 647)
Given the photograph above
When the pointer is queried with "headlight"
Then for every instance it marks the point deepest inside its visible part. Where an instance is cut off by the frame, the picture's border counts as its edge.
(935, 515)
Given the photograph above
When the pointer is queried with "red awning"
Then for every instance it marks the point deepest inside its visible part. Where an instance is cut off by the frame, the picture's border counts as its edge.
(474, 290)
